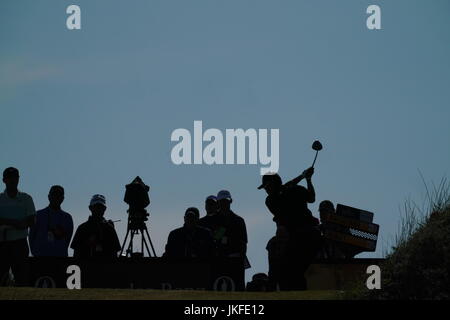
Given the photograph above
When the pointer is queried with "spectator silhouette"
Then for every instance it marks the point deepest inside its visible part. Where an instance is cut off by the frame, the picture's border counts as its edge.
(259, 283)
(231, 234)
(51, 235)
(289, 205)
(96, 238)
(211, 207)
(17, 214)
(330, 249)
(191, 240)
(211, 219)
(333, 249)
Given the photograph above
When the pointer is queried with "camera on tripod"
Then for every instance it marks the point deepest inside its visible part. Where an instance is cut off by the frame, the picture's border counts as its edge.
(136, 196)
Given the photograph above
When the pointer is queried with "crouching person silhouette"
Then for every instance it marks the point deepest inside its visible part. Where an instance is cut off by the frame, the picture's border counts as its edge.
(191, 240)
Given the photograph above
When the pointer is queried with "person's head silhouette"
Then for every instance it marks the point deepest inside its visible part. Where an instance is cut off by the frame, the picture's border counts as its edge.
(11, 179)
(191, 217)
(224, 200)
(97, 206)
(211, 205)
(272, 183)
(326, 207)
(56, 197)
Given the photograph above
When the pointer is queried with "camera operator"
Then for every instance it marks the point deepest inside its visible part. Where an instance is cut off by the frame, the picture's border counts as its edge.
(96, 238)
(289, 205)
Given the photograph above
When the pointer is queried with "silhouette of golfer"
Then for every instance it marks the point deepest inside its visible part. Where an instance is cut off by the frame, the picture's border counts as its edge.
(289, 205)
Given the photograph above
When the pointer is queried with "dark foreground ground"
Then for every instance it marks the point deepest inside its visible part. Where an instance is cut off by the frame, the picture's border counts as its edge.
(136, 294)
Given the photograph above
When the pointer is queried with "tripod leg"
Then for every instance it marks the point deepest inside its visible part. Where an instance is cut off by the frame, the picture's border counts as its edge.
(150, 241)
(124, 241)
(130, 247)
(144, 242)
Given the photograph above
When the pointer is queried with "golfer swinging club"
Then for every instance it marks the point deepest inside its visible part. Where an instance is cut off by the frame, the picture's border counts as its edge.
(296, 225)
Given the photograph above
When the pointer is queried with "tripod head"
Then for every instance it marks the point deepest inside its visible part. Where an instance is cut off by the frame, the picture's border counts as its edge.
(137, 219)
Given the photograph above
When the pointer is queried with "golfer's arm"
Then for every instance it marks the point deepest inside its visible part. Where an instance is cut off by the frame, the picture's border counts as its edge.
(295, 181)
(311, 191)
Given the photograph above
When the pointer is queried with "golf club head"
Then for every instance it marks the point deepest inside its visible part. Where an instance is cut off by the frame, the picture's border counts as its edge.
(317, 145)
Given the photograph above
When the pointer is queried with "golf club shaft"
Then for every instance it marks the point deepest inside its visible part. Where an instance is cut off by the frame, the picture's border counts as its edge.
(300, 177)
(317, 152)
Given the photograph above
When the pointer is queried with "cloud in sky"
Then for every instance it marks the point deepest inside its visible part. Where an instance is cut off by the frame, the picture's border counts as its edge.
(17, 73)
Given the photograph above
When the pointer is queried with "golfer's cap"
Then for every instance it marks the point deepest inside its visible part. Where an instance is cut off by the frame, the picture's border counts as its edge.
(211, 197)
(10, 172)
(192, 211)
(98, 199)
(224, 194)
(270, 178)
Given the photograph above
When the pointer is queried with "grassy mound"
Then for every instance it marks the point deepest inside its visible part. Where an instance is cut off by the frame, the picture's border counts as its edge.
(418, 267)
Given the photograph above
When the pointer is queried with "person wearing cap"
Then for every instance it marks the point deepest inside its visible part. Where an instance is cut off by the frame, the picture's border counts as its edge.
(209, 221)
(17, 214)
(191, 240)
(288, 204)
(51, 235)
(97, 237)
(231, 235)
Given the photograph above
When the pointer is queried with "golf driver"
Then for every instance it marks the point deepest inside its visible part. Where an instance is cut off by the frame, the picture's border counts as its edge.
(316, 146)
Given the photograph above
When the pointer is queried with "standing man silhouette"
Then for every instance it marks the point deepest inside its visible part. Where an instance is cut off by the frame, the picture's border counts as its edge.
(51, 235)
(96, 238)
(211, 220)
(232, 232)
(17, 214)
